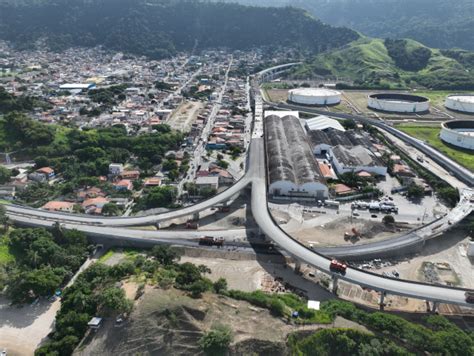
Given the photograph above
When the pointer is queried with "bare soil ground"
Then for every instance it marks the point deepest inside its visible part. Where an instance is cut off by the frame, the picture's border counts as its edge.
(22, 329)
(330, 232)
(168, 322)
(185, 115)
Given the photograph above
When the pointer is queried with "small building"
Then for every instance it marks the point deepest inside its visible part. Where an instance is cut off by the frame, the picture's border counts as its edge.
(124, 184)
(342, 190)
(131, 175)
(152, 182)
(115, 168)
(59, 206)
(47, 171)
(37, 177)
(208, 182)
(225, 178)
(94, 205)
(77, 86)
(7, 192)
(402, 170)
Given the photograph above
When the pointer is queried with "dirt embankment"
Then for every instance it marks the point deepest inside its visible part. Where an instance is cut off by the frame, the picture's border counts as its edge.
(167, 322)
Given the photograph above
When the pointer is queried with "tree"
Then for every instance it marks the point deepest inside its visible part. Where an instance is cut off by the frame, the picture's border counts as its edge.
(223, 164)
(41, 161)
(187, 274)
(4, 220)
(216, 341)
(113, 300)
(415, 191)
(200, 286)
(388, 220)
(220, 285)
(166, 255)
(5, 175)
(110, 209)
(160, 197)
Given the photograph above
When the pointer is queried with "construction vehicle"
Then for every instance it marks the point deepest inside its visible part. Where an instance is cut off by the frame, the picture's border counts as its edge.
(337, 266)
(211, 241)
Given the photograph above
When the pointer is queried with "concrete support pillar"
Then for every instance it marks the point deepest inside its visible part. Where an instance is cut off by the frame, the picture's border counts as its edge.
(297, 267)
(434, 309)
(196, 216)
(158, 225)
(335, 279)
(382, 301)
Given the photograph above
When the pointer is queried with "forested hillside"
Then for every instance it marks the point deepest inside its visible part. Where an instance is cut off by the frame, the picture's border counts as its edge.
(159, 28)
(435, 23)
(376, 63)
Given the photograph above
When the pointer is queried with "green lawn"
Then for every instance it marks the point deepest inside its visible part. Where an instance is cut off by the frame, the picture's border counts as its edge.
(430, 135)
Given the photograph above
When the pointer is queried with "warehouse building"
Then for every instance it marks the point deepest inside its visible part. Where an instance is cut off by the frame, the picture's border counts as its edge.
(292, 170)
(322, 122)
(346, 152)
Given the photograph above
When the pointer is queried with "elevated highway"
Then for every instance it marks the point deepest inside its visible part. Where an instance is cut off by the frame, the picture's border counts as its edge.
(15, 210)
(256, 176)
(383, 284)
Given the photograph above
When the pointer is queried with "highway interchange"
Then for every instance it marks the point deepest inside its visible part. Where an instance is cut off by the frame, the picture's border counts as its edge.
(256, 177)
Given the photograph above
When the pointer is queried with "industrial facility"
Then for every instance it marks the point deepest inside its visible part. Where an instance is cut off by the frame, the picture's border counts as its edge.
(314, 96)
(399, 103)
(346, 151)
(460, 102)
(459, 133)
(293, 172)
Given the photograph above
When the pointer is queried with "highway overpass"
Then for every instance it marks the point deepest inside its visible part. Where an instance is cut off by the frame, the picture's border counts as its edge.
(256, 176)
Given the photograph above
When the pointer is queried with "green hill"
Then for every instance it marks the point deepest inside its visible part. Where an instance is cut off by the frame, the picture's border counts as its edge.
(375, 63)
(435, 23)
(160, 28)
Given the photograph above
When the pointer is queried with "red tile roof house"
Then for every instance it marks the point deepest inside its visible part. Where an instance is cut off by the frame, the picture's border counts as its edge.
(47, 171)
(152, 182)
(59, 206)
(93, 192)
(124, 184)
(342, 189)
(132, 175)
(224, 176)
(94, 205)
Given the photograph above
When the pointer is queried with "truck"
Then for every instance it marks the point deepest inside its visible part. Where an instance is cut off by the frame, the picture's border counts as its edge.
(332, 204)
(469, 297)
(211, 241)
(337, 266)
(191, 224)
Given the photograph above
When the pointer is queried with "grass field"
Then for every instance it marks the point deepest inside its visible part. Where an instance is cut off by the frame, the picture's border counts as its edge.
(430, 135)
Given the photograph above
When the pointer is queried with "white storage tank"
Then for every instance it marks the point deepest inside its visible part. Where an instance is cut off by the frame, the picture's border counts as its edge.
(460, 102)
(314, 96)
(459, 133)
(399, 103)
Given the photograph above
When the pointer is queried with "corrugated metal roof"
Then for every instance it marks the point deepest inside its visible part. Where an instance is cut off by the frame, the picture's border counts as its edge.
(289, 156)
(323, 123)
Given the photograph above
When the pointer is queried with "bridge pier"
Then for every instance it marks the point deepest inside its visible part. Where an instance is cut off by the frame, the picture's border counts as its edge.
(382, 300)
(297, 267)
(335, 279)
(196, 216)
